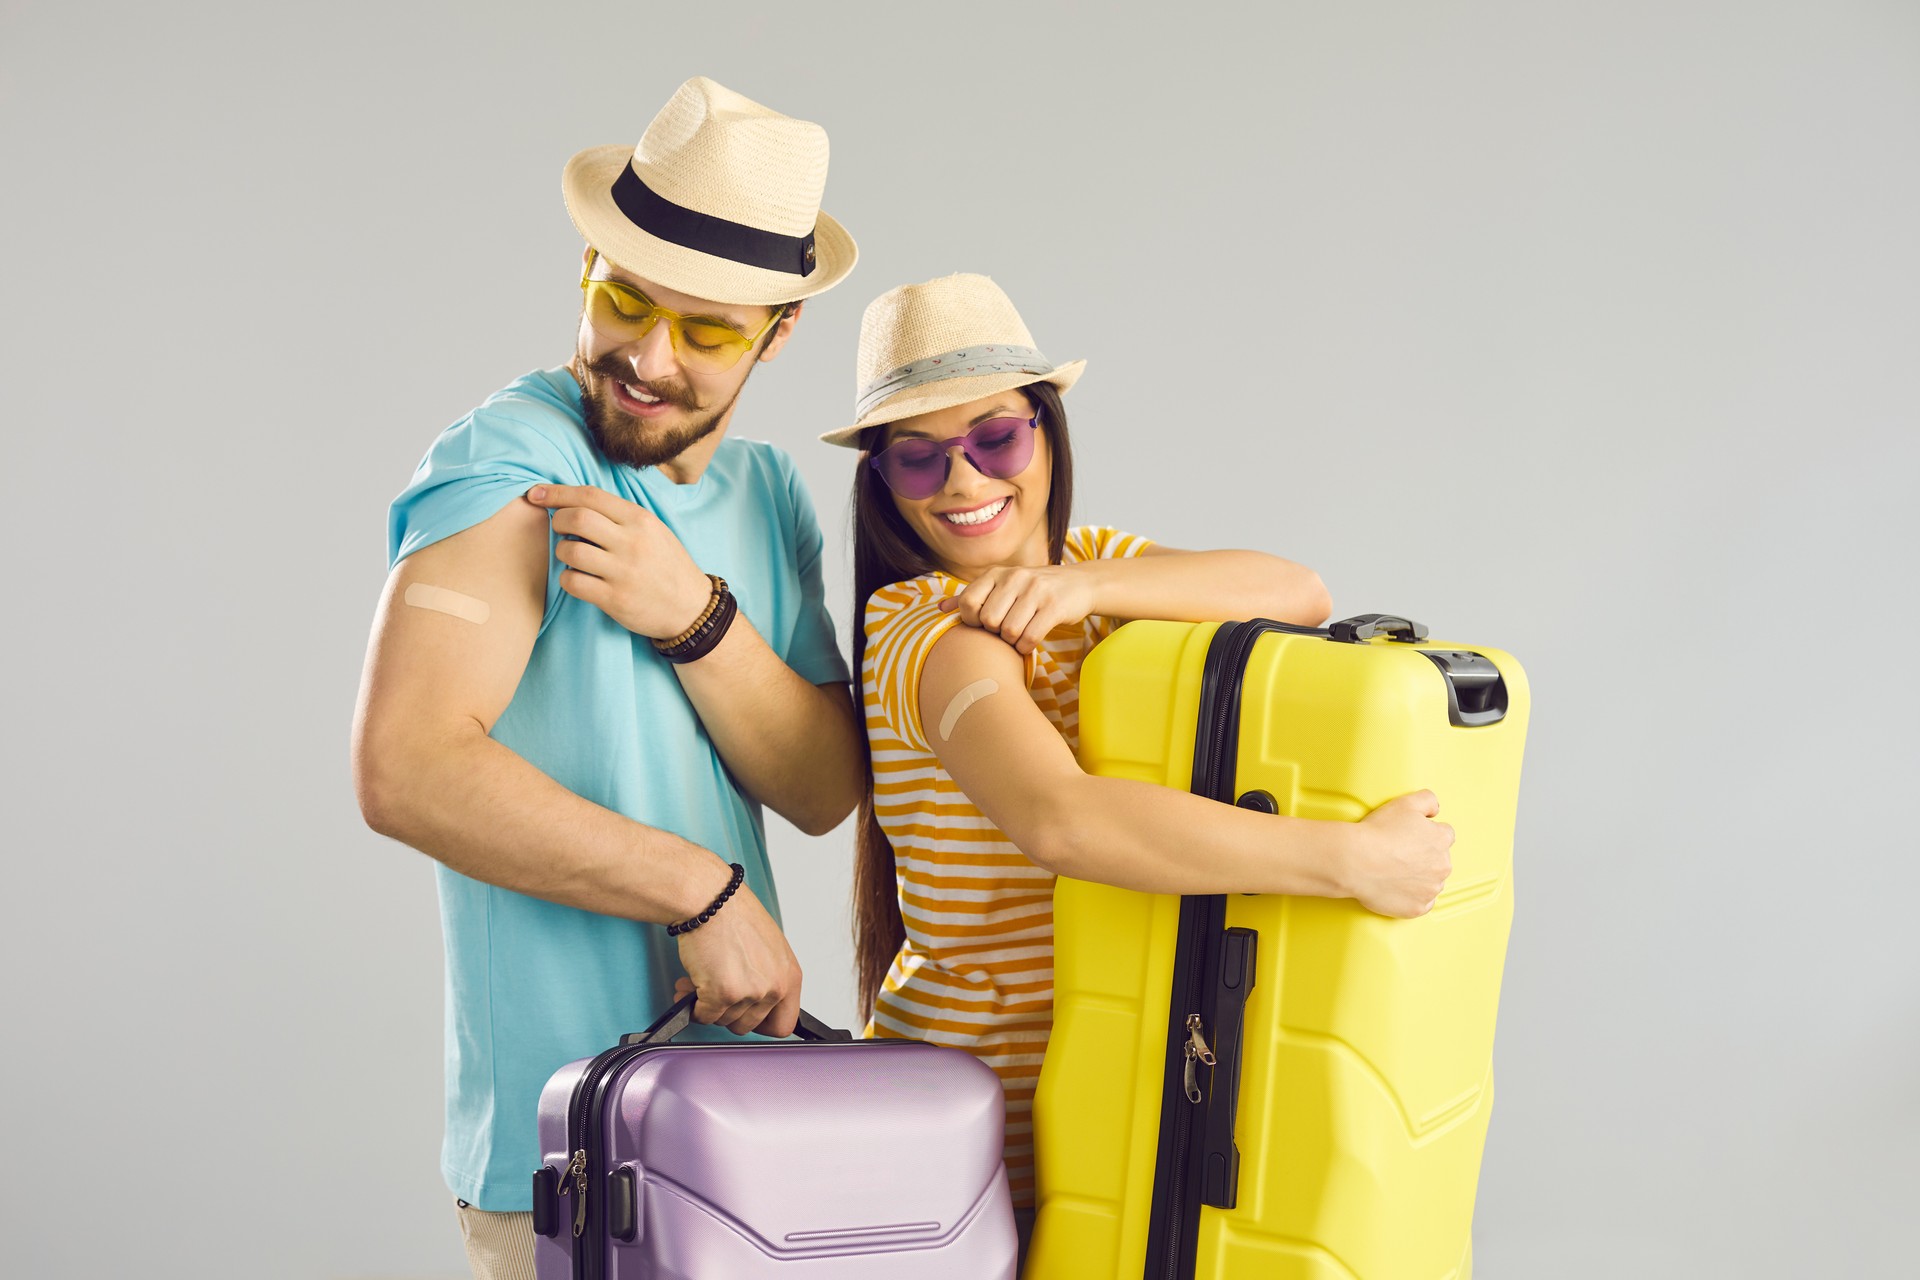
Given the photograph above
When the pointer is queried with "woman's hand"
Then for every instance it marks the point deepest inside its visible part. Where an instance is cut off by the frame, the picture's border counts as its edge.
(1403, 859)
(1020, 605)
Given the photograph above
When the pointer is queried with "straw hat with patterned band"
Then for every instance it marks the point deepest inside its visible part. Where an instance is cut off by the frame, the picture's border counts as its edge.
(934, 345)
(720, 200)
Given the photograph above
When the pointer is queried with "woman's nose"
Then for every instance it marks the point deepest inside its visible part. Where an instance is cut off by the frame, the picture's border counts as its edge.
(961, 473)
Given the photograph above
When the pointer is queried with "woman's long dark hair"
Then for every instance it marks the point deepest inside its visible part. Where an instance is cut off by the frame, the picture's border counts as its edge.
(886, 550)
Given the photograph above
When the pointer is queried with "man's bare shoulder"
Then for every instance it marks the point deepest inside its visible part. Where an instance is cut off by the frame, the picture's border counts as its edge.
(510, 547)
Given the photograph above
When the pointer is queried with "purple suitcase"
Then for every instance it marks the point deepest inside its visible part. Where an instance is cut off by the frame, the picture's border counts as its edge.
(822, 1158)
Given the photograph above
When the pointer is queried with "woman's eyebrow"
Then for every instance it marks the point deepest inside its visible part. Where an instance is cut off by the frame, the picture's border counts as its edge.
(1003, 411)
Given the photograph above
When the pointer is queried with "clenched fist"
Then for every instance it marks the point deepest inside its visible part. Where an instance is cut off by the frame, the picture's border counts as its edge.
(1402, 859)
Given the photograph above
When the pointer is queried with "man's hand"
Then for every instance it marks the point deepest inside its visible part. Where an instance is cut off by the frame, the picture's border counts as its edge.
(746, 974)
(1021, 605)
(624, 561)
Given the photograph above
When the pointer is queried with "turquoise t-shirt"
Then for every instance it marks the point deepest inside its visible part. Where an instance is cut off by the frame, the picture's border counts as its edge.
(532, 985)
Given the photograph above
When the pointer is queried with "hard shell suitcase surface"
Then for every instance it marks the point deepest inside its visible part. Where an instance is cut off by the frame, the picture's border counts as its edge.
(1284, 1087)
(822, 1157)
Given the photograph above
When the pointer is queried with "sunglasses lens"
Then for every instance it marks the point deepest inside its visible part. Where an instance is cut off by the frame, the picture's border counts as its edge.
(617, 312)
(709, 345)
(1000, 447)
(701, 342)
(914, 468)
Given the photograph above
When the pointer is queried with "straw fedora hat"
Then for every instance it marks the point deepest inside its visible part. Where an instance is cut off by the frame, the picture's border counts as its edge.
(934, 345)
(720, 200)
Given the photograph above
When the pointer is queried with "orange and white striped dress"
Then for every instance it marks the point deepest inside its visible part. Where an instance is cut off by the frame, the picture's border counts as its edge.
(976, 970)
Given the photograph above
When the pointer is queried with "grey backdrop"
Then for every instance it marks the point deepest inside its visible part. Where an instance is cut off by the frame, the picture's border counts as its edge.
(1587, 330)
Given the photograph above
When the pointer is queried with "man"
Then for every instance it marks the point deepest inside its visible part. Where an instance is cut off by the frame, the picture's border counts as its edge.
(560, 705)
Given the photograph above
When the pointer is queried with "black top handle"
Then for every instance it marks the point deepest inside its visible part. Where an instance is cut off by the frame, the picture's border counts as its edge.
(1366, 626)
(1357, 629)
(680, 1017)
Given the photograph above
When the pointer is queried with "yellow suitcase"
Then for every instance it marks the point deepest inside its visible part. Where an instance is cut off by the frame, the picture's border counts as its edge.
(1288, 1088)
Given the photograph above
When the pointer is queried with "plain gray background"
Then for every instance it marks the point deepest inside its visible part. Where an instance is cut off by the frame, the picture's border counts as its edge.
(1585, 330)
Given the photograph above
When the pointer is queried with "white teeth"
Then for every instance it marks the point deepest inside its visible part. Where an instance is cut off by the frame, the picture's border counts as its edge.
(981, 516)
(640, 395)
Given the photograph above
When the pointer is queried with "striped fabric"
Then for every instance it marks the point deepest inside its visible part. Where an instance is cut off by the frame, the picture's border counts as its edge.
(976, 971)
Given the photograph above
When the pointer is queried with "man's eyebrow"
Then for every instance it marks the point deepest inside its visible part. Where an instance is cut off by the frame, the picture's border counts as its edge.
(634, 285)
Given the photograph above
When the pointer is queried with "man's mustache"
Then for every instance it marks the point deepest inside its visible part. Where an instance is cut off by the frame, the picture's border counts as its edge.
(613, 368)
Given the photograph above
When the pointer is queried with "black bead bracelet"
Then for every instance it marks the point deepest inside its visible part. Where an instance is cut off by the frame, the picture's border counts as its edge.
(688, 926)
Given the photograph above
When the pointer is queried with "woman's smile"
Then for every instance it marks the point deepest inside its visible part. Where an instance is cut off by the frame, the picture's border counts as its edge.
(976, 521)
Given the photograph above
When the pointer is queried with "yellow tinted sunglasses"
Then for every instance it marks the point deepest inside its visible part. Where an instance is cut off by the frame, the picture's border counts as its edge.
(623, 313)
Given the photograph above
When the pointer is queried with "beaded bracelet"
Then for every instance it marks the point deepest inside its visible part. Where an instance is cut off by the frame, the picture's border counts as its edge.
(708, 634)
(688, 926)
(713, 602)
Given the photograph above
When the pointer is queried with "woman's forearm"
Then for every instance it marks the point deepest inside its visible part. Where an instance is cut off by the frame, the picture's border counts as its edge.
(1154, 839)
(1205, 586)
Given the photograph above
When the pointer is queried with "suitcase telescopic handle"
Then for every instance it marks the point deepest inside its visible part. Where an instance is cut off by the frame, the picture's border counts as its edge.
(680, 1017)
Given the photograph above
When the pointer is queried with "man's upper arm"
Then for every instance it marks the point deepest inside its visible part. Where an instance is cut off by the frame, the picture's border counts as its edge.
(429, 669)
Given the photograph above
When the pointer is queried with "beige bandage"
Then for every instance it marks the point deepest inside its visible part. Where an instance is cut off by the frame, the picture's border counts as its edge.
(441, 600)
(961, 701)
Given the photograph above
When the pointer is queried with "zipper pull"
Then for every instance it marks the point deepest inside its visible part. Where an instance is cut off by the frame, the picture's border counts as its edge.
(577, 1171)
(1196, 1052)
(1198, 1042)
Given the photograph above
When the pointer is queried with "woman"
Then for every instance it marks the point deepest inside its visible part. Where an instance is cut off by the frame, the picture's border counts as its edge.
(976, 603)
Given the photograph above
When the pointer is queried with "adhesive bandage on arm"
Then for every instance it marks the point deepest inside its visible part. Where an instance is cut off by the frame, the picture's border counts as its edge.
(441, 600)
(961, 701)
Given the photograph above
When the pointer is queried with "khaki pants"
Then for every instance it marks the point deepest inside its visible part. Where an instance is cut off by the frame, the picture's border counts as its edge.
(499, 1245)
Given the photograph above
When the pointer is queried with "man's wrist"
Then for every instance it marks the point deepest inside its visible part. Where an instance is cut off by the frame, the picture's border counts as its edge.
(736, 880)
(699, 593)
(705, 883)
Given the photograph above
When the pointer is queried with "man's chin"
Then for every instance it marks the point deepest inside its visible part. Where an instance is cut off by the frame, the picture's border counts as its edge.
(635, 442)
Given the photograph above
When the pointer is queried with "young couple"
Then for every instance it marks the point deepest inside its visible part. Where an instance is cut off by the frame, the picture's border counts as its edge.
(603, 647)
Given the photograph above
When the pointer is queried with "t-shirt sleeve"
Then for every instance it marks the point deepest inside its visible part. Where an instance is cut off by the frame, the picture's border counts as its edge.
(902, 622)
(476, 467)
(1097, 542)
(813, 652)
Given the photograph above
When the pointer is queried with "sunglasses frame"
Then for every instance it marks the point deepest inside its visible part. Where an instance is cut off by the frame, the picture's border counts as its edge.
(676, 333)
(946, 454)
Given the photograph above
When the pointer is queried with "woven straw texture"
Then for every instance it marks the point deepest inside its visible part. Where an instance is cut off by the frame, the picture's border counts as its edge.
(918, 321)
(712, 150)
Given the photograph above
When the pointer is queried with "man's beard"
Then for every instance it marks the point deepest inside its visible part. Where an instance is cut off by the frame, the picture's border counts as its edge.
(628, 440)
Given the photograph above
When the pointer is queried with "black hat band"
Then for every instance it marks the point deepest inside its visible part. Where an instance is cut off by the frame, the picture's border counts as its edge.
(690, 229)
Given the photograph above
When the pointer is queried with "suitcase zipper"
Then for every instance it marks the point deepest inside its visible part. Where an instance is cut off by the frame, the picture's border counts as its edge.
(584, 1138)
(577, 1174)
(1197, 1051)
(1202, 920)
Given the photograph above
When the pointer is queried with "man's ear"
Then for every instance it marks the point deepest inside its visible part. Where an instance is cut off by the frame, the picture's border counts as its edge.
(782, 330)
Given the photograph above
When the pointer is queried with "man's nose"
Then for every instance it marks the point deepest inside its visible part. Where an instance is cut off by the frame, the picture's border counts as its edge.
(651, 354)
